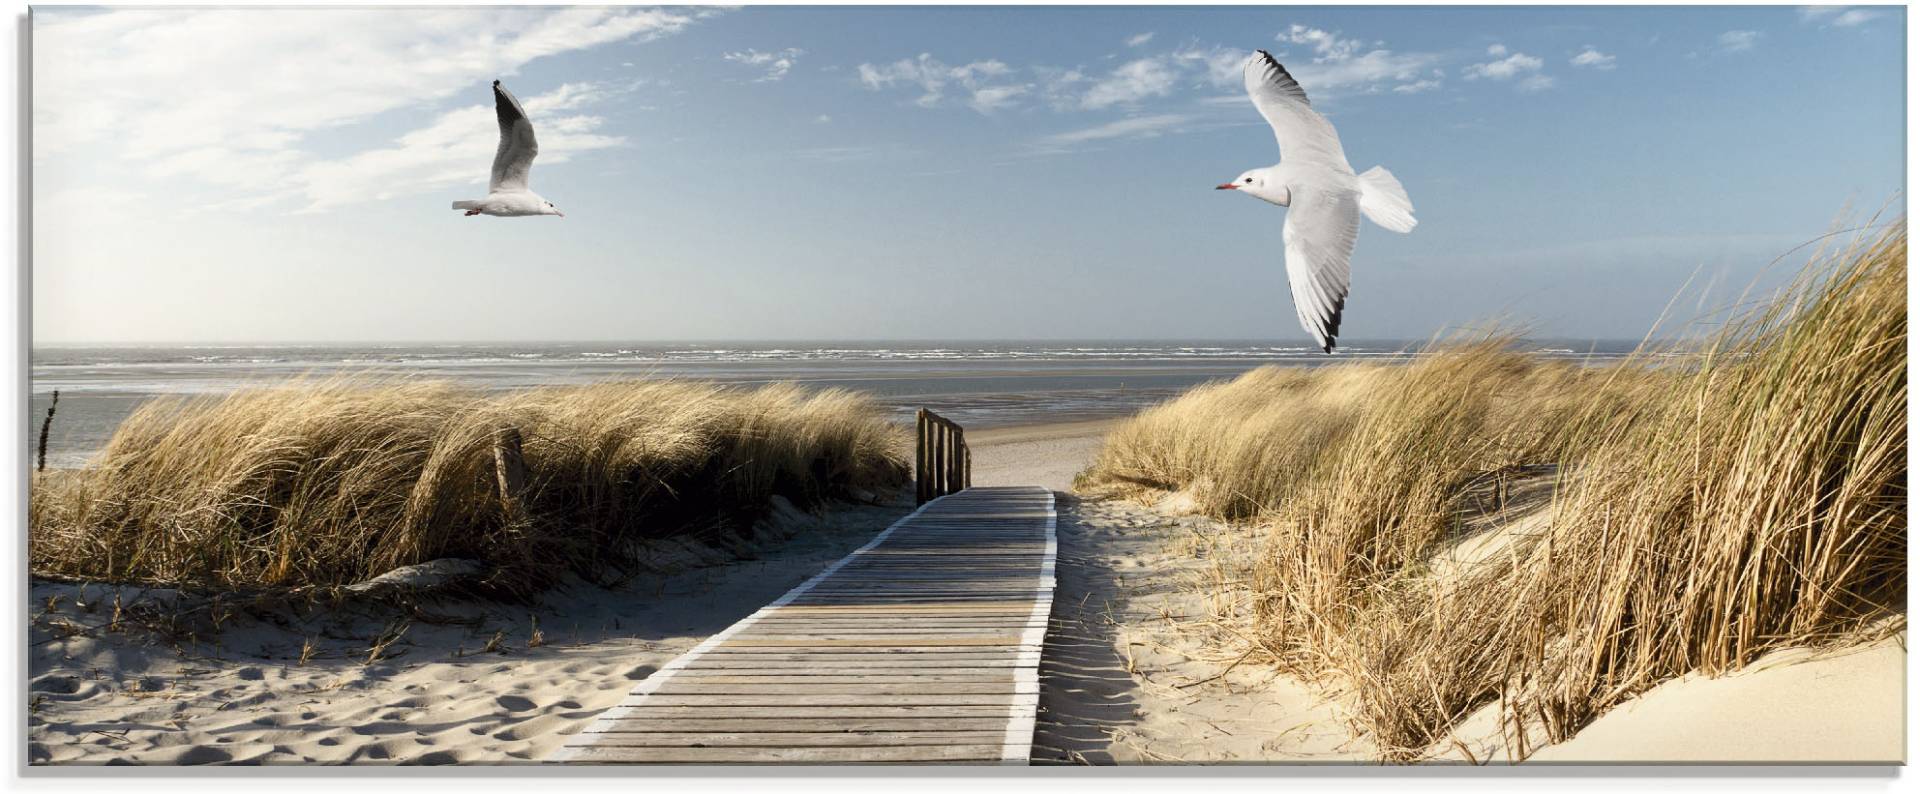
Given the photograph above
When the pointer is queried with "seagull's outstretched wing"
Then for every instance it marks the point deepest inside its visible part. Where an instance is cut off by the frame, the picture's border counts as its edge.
(517, 146)
(1321, 225)
(1305, 136)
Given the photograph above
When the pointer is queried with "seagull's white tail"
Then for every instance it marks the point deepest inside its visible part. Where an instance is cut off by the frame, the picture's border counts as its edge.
(1385, 202)
(474, 205)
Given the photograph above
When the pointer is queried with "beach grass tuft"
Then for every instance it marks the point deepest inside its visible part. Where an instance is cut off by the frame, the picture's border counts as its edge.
(331, 482)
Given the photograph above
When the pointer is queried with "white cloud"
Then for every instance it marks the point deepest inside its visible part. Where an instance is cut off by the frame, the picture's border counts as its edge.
(1340, 65)
(1854, 16)
(1332, 65)
(145, 86)
(983, 81)
(1326, 46)
(1837, 16)
(1507, 68)
(992, 98)
(776, 63)
(1739, 40)
(1367, 73)
(1221, 65)
(1593, 58)
(1135, 41)
(1532, 83)
(1132, 82)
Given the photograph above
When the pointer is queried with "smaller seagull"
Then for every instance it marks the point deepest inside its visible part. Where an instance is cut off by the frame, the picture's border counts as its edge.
(1324, 198)
(507, 193)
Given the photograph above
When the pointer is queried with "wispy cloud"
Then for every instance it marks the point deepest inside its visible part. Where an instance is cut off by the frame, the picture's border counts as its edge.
(1738, 40)
(1132, 82)
(1131, 127)
(775, 64)
(1137, 40)
(1341, 65)
(1515, 64)
(240, 117)
(986, 83)
(1593, 58)
(857, 153)
(1837, 16)
(1326, 46)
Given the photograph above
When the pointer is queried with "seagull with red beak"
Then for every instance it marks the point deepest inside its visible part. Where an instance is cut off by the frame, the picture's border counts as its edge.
(1323, 197)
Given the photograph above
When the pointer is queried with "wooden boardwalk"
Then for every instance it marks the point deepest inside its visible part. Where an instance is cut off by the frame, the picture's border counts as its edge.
(921, 647)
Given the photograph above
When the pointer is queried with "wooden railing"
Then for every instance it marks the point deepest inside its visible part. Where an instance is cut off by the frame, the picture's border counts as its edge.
(942, 462)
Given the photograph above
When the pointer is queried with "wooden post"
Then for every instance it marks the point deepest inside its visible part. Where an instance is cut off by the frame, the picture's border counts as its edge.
(953, 458)
(939, 457)
(920, 457)
(510, 469)
(966, 459)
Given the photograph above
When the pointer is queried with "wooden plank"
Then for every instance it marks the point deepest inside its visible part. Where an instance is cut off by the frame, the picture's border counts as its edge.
(878, 677)
(882, 642)
(862, 738)
(792, 699)
(856, 666)
(665, 712)
(977, 753)
(840, 687)
(815, 724)
(927, 609)
(1002, 676)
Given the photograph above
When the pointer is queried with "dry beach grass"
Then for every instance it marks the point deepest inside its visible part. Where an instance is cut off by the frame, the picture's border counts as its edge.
(331, 482)
(1705, 513)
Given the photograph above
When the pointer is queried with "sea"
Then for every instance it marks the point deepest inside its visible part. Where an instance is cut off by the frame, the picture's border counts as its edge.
(976, 384)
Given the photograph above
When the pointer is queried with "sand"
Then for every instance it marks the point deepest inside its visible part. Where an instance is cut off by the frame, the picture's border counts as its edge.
(241, 694)
(1845, 705)
(1133, 673)
(1045, 455)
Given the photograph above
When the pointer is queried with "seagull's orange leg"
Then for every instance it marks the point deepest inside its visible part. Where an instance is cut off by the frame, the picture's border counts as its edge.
(471, 213)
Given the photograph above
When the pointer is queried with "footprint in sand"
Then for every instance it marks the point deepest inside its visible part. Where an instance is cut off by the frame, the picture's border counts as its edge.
(203, 754)
(513, 703)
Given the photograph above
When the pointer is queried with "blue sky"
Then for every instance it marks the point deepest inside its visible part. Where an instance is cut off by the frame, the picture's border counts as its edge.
(916, 173)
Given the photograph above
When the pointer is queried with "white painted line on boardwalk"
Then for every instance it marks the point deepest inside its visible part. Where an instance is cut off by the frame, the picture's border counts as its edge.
(1018, 746)
(574, 745)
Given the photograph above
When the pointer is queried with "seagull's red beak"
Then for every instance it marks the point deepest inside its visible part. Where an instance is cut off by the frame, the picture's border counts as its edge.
(1227, 186)
(559, 213)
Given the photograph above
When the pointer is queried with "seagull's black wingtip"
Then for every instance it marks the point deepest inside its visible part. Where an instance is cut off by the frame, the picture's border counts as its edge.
(496, 84)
